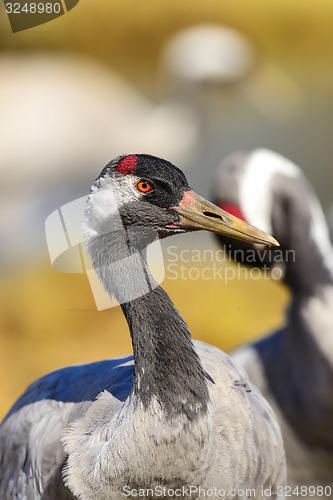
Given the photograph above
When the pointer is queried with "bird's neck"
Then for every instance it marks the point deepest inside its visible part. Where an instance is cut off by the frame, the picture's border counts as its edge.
(299, 366)
(309, 274)
(167, 369)
(306, 356)
(309, 252)
(310, 329)
(302, 379)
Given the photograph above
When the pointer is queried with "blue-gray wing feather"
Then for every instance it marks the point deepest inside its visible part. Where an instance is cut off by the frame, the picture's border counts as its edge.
(31, 452)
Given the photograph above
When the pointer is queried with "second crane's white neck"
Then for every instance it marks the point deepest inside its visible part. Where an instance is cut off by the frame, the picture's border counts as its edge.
(317, 316)
(285, 205)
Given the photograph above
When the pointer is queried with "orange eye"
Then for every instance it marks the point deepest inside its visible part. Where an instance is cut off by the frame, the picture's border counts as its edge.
(144, 186)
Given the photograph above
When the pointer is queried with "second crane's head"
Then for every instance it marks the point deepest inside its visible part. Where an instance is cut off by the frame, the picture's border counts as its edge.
(268, 190)
(148, 196)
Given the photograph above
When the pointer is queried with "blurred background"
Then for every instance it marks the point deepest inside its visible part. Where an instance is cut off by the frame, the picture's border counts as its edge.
(188, 81)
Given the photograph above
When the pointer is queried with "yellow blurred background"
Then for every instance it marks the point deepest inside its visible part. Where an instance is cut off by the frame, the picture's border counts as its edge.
(49, 319)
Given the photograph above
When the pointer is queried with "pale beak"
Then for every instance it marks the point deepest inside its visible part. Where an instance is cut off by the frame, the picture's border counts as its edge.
(198, 213)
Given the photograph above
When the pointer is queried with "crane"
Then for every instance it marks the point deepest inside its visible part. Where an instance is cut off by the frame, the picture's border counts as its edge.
(176, 413)
(293, 367)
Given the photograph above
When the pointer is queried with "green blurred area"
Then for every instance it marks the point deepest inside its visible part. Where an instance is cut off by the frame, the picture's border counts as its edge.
(48, 319)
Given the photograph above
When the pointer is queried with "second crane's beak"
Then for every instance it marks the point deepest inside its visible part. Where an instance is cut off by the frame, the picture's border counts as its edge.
(197, 213)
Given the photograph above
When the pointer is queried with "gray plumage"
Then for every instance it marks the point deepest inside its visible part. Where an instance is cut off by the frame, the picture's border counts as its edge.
(176, 414)
(77, 411)
(293, 368)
